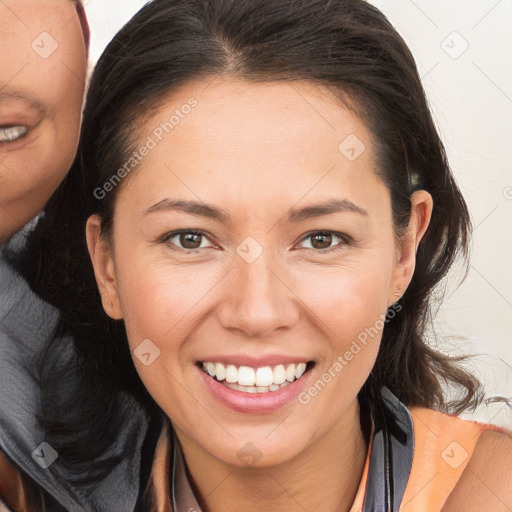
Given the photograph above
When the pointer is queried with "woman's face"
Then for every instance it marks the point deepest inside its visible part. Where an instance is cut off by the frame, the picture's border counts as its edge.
(42, 80)
(287, 256)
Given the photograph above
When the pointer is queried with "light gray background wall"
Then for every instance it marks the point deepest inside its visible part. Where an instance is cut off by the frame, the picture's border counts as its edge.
(462, 51)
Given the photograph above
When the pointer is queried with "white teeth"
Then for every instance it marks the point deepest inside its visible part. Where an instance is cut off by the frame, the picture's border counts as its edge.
(231, 373)
(245, 376)
(255, 389)
(210, 368)
(255, 380)
(264, 376)
(299, 370)
(290, 373)
(220, 371)
(279, 374)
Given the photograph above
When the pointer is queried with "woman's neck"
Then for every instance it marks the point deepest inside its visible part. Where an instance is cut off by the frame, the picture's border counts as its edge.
(325, 477)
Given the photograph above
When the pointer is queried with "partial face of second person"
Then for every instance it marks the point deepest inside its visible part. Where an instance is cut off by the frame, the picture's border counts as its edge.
(286, 255)
(42, 81)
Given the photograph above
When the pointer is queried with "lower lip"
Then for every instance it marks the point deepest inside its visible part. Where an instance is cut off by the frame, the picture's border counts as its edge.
(255, 403)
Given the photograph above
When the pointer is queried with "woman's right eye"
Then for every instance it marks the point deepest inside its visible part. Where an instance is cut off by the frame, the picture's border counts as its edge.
(188, 240)
(12, 133)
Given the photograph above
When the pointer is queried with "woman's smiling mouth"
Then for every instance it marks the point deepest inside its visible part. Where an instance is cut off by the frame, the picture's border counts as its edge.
(255, 380)
(255, 389)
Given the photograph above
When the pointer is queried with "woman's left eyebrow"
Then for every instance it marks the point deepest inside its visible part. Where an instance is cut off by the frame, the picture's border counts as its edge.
(295, 215)
(324, 208)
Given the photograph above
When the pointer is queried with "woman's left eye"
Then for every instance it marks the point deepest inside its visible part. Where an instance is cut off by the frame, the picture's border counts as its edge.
(12, 133)
(187, 239)
(322, 240)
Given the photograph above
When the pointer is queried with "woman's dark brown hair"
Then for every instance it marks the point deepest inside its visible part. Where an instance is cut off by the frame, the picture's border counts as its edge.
(346, 45)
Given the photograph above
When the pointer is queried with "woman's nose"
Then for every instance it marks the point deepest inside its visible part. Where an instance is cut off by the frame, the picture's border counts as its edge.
(257, 300)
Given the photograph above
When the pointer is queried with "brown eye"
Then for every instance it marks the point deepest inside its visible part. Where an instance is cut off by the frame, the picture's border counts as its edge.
(190, 240)
(323, 240)
(187, 239)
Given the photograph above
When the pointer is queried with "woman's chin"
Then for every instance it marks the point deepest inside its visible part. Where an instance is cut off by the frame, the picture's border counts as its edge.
(251, 447)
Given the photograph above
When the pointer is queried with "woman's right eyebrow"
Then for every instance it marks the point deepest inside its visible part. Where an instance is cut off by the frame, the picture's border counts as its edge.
(192, 207)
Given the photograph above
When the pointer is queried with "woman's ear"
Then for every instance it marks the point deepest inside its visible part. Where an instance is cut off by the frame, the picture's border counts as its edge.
(421, 213)
(104, 268)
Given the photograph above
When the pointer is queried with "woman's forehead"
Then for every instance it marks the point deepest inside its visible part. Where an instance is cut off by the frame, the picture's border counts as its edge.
(261, 120)
(252, 144)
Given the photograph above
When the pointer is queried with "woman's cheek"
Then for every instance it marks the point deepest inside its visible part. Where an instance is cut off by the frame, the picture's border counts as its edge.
(159, 300)
(346, 297)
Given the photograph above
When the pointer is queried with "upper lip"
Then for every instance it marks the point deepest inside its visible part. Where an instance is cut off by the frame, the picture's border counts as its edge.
(255, 362)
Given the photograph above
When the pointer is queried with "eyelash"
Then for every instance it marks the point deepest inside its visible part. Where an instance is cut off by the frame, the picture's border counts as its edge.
(345, 240)
(7, 132)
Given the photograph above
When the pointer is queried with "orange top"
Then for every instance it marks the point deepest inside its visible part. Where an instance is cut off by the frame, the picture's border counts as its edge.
(443, 445)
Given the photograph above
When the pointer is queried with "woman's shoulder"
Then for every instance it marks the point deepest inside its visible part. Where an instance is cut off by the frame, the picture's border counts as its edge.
(486, 482)
(447, 449)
